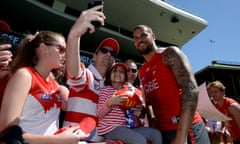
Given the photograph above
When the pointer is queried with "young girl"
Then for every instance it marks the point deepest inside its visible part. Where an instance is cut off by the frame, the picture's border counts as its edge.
(112, 121)
(32, 98)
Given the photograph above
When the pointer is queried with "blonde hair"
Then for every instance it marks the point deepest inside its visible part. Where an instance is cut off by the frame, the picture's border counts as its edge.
(217, 84)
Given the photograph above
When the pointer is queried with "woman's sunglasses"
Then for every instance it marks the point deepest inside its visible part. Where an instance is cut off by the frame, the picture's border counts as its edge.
(61, 48)
(132, 70)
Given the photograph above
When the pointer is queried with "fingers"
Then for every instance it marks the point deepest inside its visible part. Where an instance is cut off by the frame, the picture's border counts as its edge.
(123, 98)
(73, 128)
(80, 135)
(137, 108)
(99, 16)
(5, 55)
(83, 23)
(93, 15)
(97, 8)
(4, 46)
(140, 106)
(70, 136)
(117, 99)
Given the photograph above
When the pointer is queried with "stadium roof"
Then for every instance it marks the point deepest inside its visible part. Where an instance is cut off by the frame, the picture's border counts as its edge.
(172, 25)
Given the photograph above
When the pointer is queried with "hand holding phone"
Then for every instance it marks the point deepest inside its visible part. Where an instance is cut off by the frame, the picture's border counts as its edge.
(92, 4)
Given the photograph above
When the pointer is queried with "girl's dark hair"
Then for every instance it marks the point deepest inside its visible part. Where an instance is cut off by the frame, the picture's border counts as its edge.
(108, 75)
(27, 50)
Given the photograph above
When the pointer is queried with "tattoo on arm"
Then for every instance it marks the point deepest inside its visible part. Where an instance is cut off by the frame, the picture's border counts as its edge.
(180, 66)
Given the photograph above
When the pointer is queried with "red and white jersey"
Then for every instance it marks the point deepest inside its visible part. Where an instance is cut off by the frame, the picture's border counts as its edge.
(40, 114)
(162, 91)
(231, 125)
(83, 97)
(109, 117)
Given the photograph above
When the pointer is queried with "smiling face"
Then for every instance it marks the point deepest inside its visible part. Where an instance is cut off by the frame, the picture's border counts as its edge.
(143, 40)
(216, 90)
(132, 71)
(118, 75)
(104, 59)
(216, 93)
(55, 52)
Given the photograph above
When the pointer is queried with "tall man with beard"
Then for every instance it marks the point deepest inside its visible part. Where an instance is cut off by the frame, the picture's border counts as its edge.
(171, 89)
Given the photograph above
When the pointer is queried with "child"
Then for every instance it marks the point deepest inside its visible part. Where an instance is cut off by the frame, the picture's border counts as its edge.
(112, 121)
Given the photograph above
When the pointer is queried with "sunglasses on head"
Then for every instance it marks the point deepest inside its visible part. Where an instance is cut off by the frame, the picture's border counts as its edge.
(112, 53)
(132, 70)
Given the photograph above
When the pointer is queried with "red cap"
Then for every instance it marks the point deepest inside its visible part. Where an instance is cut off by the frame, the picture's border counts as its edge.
(4, 26)
(123, 65)
(110, 42)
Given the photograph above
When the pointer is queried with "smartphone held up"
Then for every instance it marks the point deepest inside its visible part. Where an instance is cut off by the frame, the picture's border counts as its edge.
(92, 4)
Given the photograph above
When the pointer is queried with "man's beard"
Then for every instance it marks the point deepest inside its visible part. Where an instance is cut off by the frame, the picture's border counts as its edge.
(145, 51)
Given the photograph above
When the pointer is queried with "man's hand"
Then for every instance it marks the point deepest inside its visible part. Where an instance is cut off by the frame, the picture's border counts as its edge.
(83, 23)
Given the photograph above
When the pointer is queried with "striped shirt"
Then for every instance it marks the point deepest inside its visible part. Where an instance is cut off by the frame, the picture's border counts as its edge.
(109, 117)
(83, 96)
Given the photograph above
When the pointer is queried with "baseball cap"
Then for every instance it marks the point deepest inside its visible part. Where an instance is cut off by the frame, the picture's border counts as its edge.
(121, 64)
(4, 26)
(111, 42)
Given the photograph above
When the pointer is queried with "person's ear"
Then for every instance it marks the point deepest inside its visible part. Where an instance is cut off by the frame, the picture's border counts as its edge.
(43, 49)
(153, 35)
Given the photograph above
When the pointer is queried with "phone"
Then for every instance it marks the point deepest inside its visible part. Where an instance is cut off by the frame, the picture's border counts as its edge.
(92, 4)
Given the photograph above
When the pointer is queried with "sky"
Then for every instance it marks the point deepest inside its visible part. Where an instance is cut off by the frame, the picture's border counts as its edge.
(219, 40)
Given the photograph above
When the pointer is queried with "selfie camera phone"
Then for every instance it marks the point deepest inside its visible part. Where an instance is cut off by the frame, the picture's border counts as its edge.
(93, 4)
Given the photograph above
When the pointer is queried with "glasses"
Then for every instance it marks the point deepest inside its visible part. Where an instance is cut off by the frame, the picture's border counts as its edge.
(132, 70)
(112, 53)
(58, 46)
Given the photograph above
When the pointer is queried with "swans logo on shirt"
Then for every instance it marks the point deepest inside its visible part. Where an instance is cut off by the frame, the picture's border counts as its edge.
(46, 97)
(49, 100)
(151, 85)
(96, 86)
